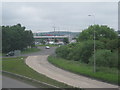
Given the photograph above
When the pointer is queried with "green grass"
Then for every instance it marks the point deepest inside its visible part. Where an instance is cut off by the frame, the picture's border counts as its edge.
(50, 45)
(26, 51)
(18, 66)
(0, 61)
(104, 74)
(2, 54)
(30, 50)
(0, 64)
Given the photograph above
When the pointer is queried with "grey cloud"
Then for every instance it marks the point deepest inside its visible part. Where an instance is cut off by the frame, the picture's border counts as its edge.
(41, 16)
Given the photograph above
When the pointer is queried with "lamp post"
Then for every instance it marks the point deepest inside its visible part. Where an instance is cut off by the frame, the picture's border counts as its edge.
(94, 44)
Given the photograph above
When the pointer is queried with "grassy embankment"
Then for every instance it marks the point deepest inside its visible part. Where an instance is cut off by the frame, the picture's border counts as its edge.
(103, 73)
(30, 50)
(18, 66)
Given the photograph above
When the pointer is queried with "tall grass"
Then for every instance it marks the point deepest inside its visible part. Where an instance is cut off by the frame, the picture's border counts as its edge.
(103, 73)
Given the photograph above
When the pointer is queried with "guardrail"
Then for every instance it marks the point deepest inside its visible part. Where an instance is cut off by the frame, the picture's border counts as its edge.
(46, 85)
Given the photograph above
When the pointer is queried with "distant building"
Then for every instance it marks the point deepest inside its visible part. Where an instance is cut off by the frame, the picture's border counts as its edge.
(73, 41)
(53, 37)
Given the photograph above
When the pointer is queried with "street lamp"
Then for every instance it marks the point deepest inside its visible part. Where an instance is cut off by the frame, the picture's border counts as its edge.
(94, 44)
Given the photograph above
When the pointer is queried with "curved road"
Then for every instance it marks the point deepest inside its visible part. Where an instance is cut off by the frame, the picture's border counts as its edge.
(40, 64)
(8, 82)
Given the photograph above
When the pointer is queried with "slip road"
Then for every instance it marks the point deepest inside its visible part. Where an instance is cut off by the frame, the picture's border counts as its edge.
(40, 64)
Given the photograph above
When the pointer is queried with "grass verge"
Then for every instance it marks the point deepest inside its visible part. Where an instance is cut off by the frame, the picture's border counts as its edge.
(50, 45)
(26, 51)
(104, 74)
(30, 50)
(18, 66)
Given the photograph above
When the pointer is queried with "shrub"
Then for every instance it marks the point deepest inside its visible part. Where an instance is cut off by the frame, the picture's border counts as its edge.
(112, 44)
(105, 58)
(88, 48)
(79, 51)
(75, 52)
(62, 51)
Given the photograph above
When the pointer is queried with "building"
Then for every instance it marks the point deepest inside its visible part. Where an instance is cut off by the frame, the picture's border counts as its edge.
(56, 37)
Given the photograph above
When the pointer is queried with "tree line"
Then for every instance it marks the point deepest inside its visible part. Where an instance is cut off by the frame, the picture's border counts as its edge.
(16, 38)
(106, 43)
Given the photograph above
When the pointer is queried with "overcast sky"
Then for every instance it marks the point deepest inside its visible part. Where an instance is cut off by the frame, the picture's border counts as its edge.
(69, 16)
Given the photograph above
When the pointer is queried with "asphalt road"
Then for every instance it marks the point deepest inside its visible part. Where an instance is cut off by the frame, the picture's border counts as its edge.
(43, 51)
(39, 63)
(13, 83)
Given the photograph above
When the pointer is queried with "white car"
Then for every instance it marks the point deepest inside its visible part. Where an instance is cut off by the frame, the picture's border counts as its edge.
(47, 47)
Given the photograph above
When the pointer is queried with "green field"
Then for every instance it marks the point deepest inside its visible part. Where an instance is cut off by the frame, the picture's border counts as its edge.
(103, 73)
(18, 66)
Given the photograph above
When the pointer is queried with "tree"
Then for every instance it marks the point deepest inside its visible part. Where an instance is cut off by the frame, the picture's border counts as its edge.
(79, 51)
(105, 58)
(62, 51)
(16, 38)
(100, 32)
(65, 40)
(87, 50)
(106, 47)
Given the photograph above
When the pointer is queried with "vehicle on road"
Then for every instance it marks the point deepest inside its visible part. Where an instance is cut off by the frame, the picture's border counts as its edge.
(47, 47)
(11, 53)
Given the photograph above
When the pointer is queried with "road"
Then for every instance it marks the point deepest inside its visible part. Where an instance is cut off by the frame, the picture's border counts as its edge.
(42, 51)
(13, 83)
(38, 61)
(40, 64)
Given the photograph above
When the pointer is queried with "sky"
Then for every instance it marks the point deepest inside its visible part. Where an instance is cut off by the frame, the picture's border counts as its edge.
(67, 16)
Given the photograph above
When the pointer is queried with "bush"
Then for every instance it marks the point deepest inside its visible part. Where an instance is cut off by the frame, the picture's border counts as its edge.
(105, 58)
(110, 44)
(79, 51)
(88, 49)
(62, 51)
(75, 52)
